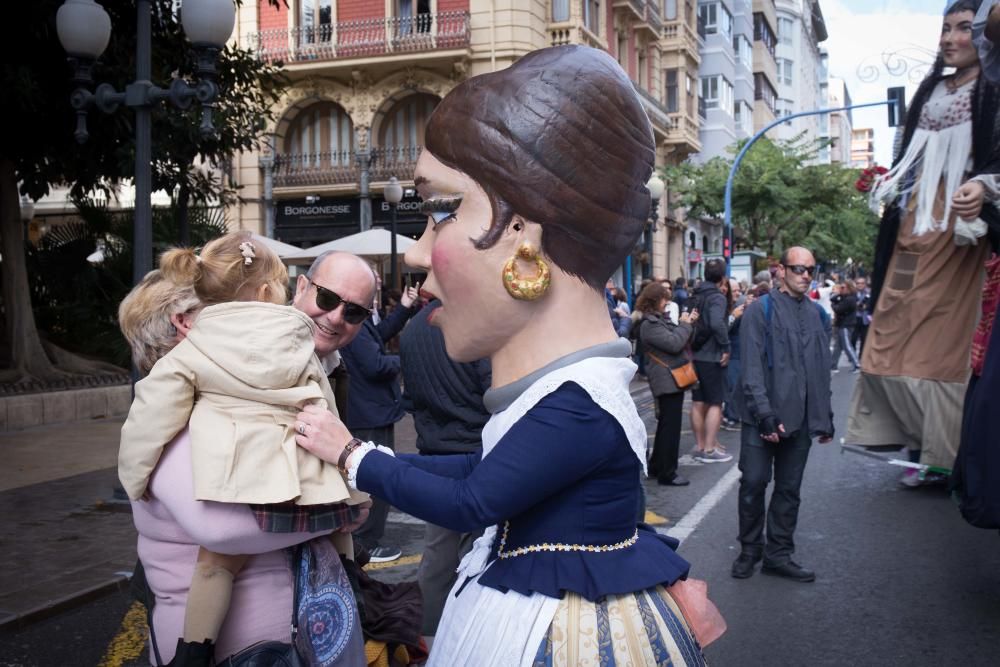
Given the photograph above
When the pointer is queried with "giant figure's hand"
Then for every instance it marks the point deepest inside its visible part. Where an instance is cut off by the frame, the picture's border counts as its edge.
(967, 201)
(319, 432)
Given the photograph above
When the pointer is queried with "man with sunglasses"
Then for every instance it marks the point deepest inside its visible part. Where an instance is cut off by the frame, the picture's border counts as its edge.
(338, 294)
(783, 400)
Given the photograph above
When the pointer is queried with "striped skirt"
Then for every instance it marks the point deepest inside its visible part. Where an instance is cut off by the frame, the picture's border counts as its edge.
(642, 628)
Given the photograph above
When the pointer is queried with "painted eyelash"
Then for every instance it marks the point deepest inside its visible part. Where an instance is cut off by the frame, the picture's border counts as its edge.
(441, 209)
(441, 205)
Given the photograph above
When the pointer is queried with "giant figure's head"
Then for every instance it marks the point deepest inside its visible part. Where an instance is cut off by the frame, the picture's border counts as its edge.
(555, 151)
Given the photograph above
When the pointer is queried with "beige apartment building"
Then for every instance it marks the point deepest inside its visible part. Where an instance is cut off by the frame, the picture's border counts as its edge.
(765, 64)
(862, 147)
(366, 74)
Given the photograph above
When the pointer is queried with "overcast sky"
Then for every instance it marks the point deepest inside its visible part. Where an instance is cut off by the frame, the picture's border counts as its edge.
(860, 32)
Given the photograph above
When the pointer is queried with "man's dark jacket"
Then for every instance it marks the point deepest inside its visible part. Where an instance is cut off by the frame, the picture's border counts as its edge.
(373, 400)
(444, 396)
(711, 304)
(785, 366)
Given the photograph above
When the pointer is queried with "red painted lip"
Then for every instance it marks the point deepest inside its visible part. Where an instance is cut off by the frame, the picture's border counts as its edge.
(426, 294)
(431, 315)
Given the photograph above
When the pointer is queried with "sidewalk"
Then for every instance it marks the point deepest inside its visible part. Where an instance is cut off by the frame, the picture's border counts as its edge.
(64, 539)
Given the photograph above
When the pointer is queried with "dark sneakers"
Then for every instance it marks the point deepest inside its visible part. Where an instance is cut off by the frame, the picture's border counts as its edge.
(676, 480)
(743, 566)
(384, 554)
(788, 570)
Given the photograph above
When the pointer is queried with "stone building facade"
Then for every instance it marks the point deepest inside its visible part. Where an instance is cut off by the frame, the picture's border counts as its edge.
(366, 74)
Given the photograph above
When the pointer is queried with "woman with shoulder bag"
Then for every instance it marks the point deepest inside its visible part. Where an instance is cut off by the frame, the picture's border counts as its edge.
(670, 373)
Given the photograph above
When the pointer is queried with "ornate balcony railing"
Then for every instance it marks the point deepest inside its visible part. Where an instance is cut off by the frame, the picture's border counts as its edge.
(653, 16)
(315, 169)
(683, 129)
(397, 161)
(637, 6)
(366, 37)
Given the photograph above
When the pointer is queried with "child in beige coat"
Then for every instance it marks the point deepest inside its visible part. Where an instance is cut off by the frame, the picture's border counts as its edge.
(244, 371)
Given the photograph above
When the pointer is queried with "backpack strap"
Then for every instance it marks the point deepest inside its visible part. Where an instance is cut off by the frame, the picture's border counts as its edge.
(824, 318)
(768, 341)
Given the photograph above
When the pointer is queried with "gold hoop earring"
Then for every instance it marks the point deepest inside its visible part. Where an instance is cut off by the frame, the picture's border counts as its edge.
(526, 289)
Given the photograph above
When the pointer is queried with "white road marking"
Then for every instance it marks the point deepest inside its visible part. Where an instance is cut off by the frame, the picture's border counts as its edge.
(683, 528)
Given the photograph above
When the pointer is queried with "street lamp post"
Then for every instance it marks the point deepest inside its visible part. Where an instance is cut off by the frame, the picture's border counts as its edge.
(393, 193)
(84, 29)
(656, 187)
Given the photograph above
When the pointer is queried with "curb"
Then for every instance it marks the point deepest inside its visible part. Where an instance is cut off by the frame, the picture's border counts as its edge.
(19, 621)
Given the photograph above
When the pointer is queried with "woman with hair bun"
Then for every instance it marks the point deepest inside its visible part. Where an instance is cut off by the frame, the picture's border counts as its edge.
(237, 380)
(533, 182)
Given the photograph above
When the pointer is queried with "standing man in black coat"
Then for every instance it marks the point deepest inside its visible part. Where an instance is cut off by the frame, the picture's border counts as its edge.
(374, 405)
(784, 402)
(446, 400)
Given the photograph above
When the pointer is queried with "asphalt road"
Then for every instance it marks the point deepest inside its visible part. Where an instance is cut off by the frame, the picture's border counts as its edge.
(901, 578)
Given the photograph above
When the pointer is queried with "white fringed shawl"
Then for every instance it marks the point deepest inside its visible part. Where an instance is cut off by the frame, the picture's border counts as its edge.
(940, 150)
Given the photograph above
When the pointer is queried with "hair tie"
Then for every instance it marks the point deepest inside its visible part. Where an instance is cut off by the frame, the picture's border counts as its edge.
(247, 250)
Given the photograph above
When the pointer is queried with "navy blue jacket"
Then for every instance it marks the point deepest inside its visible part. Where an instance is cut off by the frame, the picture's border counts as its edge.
(373, 400)
(444, 396)
(564, 473)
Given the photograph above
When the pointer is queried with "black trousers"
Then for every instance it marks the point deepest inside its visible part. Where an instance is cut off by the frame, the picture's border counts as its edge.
(858, 337)
(667, 442)
(373, 528)
(787, 458)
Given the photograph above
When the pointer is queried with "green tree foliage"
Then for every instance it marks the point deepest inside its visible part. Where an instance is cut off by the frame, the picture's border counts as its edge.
(37, 148)
(76, 300)
(780, 199)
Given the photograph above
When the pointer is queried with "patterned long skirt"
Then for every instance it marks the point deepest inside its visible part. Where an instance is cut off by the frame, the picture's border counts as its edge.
(642, 628)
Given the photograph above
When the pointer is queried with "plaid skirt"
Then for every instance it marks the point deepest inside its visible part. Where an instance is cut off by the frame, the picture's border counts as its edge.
(641, 628)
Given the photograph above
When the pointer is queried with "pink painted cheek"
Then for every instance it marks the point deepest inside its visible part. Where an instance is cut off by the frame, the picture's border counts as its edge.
(440, 260)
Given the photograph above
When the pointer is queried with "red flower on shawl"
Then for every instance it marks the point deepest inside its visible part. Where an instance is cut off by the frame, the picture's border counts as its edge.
(868, 176)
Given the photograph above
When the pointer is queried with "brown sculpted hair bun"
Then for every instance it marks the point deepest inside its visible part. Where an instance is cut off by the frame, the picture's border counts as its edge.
(559, 138)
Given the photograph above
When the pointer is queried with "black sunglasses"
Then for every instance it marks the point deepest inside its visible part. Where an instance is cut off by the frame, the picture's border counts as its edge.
(329, 300)
(800, 269)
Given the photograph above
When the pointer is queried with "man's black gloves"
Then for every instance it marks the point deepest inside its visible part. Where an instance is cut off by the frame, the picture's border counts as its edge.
(768, 426)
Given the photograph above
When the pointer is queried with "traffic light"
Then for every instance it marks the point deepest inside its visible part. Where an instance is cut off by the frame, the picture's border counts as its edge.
(726, 250)
(897, 105)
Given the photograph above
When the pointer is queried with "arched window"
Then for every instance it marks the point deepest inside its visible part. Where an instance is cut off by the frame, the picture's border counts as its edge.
(319, 143)
(403, 125)
(401, 136)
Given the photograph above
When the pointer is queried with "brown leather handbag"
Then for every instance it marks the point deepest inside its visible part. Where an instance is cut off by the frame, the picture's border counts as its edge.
(684, 375)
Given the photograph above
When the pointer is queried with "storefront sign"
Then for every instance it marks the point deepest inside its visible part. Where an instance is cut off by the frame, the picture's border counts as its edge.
(330, 218)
